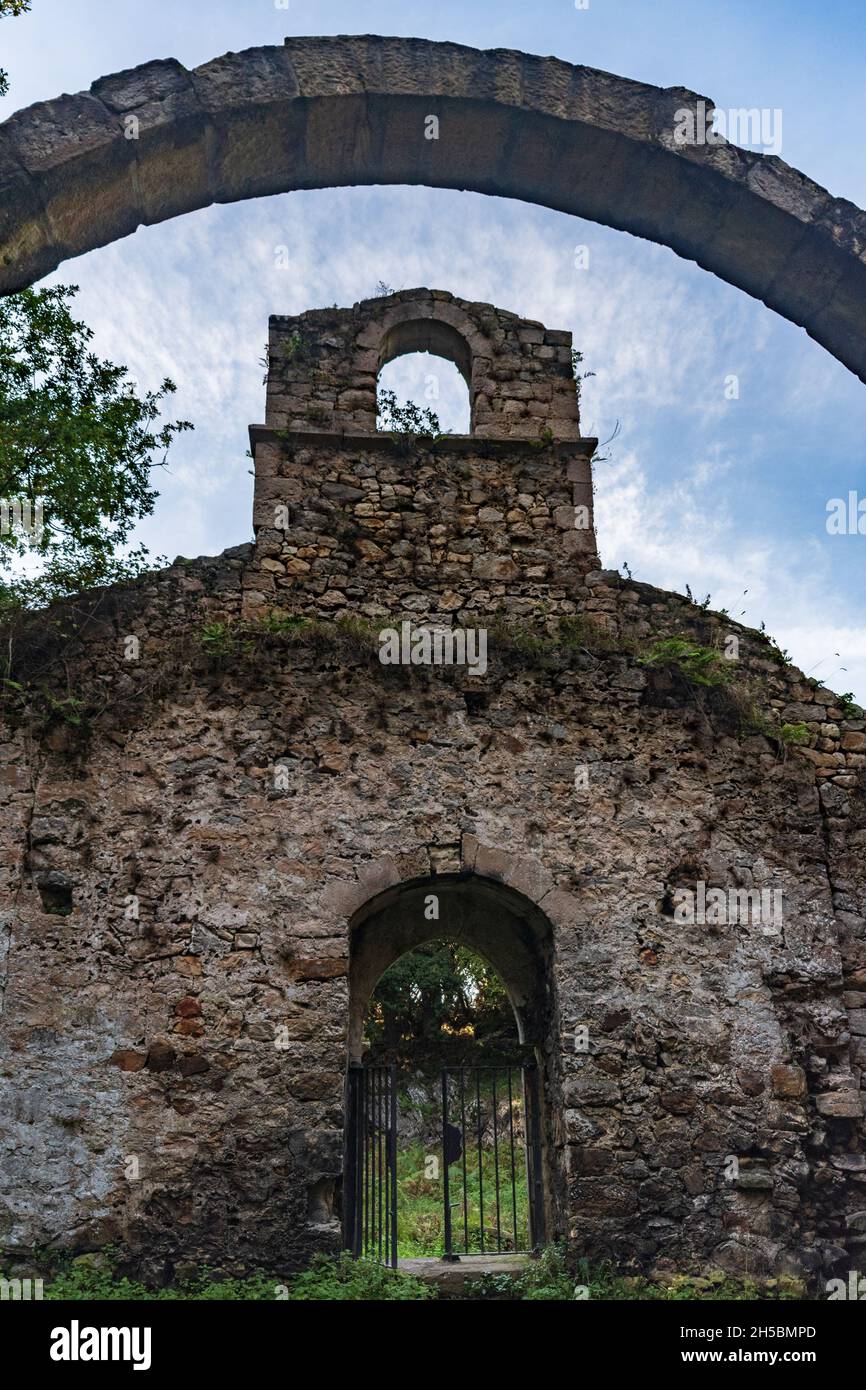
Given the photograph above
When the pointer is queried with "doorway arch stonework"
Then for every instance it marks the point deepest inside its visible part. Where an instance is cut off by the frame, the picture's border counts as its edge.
(510, 930)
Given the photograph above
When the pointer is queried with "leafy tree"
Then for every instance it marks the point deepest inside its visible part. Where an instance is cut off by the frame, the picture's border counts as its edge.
(77, 444)
(440, 1001)
(10, 7)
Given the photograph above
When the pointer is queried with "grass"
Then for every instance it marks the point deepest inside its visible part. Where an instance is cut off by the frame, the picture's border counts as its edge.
(420, 1219)
(338, 1278)
(553, 1278)
(699, 665)
(334, 1278)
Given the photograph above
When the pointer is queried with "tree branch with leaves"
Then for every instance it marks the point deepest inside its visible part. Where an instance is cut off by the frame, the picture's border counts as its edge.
(77, 447)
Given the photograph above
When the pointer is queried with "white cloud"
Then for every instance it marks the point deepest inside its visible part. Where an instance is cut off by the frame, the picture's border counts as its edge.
(700, 489)
(674, 541)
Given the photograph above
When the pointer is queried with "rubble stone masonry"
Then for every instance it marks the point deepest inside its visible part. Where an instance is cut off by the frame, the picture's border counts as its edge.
(185, 864)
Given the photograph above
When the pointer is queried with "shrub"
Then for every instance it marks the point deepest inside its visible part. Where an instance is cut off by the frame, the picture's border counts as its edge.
(82, 1281)
(795, 734)
(343, 1278)
(699, 665)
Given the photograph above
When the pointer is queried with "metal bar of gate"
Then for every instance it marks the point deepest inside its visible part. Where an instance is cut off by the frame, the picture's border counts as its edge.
(480, 1156)
(379, 1163)
(352, 1170)
(393, 1167)
(463, 1148)
(371, 1167)
(496, 1165)
(446, 1192)
(513, 1173)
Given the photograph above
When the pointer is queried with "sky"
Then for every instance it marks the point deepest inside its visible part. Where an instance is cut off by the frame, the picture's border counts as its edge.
(727, 495)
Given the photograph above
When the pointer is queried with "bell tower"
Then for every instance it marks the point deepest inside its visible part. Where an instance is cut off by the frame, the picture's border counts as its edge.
(354, 519)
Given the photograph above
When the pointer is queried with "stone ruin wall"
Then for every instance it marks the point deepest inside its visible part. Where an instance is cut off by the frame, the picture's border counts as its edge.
(446, 530)
(153, 1037)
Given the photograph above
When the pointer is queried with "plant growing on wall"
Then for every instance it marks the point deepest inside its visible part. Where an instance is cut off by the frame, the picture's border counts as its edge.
(407, 422)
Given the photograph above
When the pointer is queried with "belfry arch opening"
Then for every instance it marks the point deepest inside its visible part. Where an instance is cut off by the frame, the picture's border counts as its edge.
(429, 382)
(460, 1122)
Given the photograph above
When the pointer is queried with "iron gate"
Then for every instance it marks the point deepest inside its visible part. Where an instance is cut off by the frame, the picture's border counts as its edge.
(489, 1161)
(371, 1151)
(491, 1154)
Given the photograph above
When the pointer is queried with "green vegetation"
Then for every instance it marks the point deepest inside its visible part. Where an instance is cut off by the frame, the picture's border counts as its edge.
(545, 1279)
(91, 1278)
(579, 376)
(283, 624)
(86, 1279)
(419, 1202)
(794, 734)
(338, 1278)
(553, 1278)
(10, 7)
(698, 665)
(297, 348)
(848, 705)
(344, 1279)
(544, 648)
(545, 440)
(77, 445)
(407, 423)
(36, 649)
(219, 639)
(440, 1003)
(224, 640)
(443, 1005)
(784, 736)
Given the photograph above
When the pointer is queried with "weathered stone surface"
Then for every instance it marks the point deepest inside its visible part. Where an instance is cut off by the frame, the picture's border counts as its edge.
(846, 1105)
(417, 527)
(127, 1059)
(322, 112)
(278, 814)
(789, 1081)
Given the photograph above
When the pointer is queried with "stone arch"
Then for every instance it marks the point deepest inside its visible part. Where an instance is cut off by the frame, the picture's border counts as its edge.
(506, 929)
(434, 337)
(510, 929)
(421, 321)
(419, 375)
(158, 140)
(427, 335)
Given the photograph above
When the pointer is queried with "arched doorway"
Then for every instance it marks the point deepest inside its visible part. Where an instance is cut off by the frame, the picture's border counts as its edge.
(473, 1143)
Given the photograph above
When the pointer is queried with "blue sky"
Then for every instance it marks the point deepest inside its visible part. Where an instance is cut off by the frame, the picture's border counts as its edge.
(723, 495)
